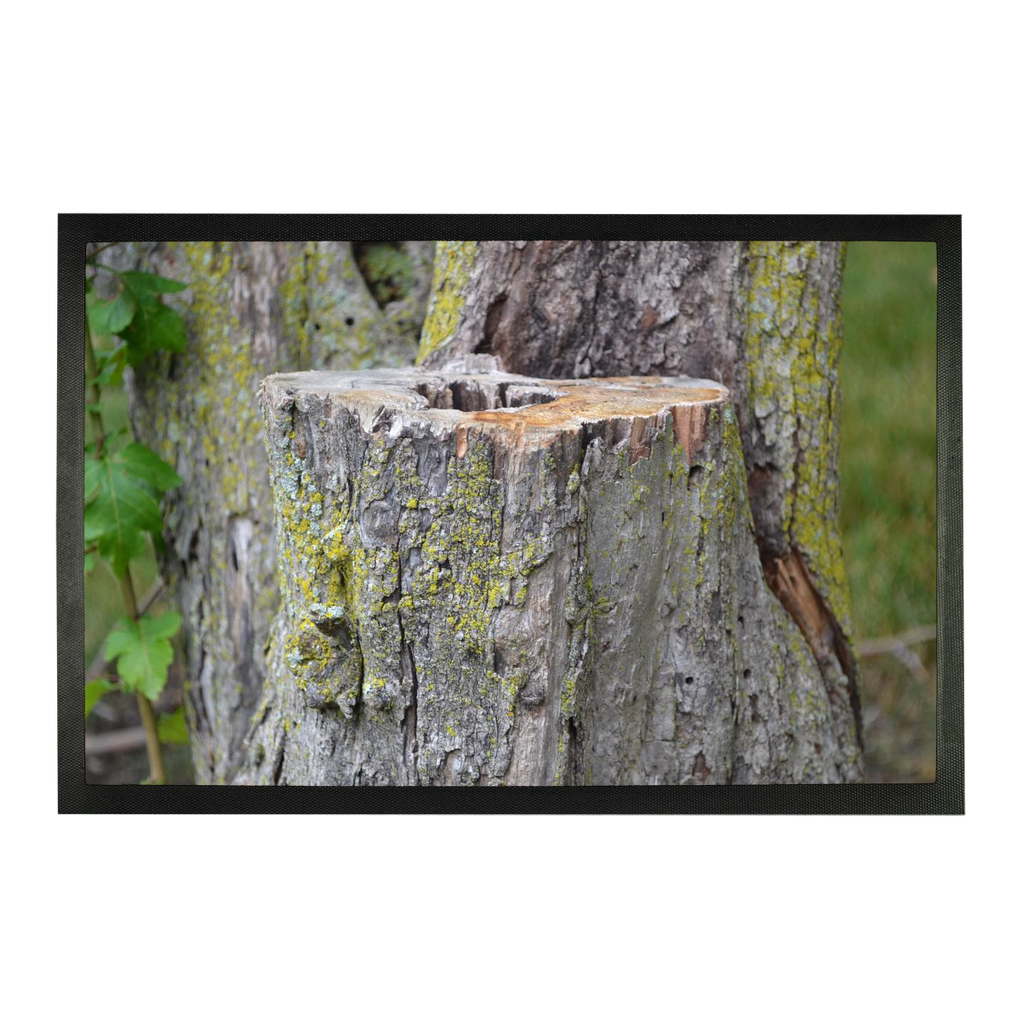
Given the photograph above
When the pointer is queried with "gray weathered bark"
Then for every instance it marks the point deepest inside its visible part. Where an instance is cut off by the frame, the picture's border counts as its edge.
(495, 579)
(762, 317)
(252, 308)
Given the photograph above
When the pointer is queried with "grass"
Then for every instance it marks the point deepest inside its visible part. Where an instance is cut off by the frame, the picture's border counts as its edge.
(887, 473)
(887, 446)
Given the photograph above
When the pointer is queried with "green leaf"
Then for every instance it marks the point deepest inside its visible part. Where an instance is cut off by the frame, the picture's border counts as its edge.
(146, 465)
(118, 548)
(143, 651)
(119, 504)
(91, 298)
(111, 316)
(110, 365)
(154, 327)
(171, 727)
(95, 689)
(90, 563)
(122, 501)
(139, 281)
(93, 475)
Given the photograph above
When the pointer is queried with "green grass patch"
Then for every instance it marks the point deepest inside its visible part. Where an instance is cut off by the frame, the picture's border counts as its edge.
(887, 453)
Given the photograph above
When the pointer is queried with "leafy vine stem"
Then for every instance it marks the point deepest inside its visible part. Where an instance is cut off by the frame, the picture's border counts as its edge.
(123, 488)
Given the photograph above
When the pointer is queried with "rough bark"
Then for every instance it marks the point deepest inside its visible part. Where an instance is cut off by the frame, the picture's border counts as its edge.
(762, 317)
(252, 308)
(504, 580)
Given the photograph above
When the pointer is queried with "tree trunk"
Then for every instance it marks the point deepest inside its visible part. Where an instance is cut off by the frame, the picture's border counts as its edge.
(761, 317)
(252, 308)
(505, 580)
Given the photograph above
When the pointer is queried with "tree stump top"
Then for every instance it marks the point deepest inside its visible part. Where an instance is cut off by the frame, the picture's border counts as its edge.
(524, 412)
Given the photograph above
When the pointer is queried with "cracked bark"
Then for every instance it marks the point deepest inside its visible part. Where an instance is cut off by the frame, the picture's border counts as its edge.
(761, 317)
(503, 580)
(252, 308)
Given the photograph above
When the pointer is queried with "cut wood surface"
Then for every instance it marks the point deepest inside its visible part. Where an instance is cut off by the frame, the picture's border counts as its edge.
(498, 579)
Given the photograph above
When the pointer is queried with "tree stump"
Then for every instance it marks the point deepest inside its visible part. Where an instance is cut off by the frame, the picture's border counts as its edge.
(500, 580)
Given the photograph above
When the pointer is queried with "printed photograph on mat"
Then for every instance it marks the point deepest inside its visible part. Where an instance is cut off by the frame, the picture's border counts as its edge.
(546, 513)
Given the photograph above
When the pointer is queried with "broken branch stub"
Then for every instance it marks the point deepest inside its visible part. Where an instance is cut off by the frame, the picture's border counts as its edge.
(496, 579)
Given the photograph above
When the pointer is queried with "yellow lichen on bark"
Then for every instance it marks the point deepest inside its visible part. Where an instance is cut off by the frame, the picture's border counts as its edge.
(453, 264)
(792, 352)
